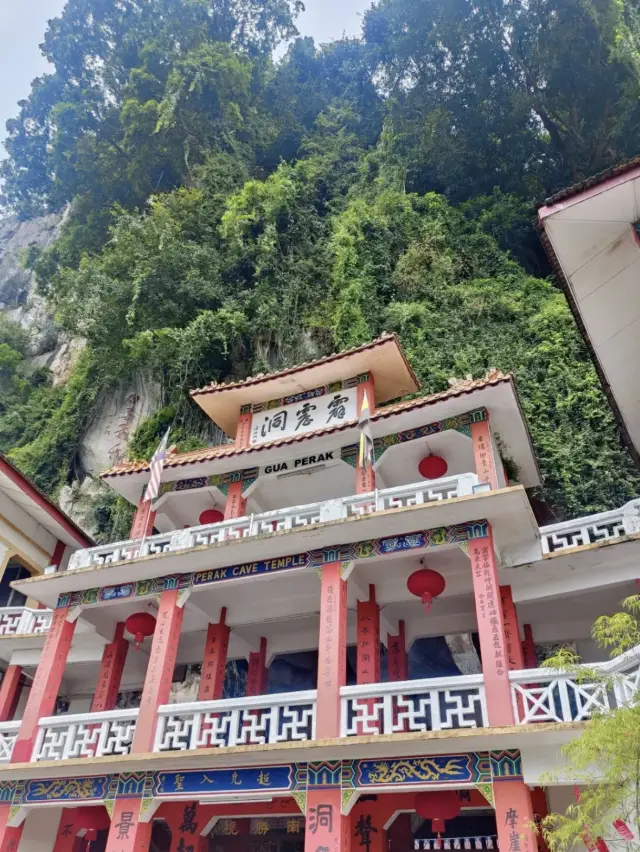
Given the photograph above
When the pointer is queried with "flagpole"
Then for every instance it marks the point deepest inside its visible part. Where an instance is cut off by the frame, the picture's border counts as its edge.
(146, 525)
(153, 486)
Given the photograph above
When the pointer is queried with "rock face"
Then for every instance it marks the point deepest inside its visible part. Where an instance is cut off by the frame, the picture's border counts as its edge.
(18, 298)
(115, 421)
(117, 415)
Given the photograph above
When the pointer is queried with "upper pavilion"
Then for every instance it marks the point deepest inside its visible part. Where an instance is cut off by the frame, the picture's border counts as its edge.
(293, 436)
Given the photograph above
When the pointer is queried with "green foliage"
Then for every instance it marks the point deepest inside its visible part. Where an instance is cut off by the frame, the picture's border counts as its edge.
(605, 759)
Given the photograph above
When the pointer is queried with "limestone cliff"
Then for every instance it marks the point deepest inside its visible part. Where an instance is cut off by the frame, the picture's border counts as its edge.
(117, 414)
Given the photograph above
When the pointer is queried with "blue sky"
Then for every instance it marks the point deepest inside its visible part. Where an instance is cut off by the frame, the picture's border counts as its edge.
(23, 23)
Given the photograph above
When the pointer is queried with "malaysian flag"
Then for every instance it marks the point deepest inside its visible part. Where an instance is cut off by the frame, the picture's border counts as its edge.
(156, 466)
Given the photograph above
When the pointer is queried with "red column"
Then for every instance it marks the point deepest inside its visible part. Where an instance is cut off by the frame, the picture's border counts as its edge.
(58, 554)
(87, 819)
(400, 833)
(540, 811)
(332, 651)
(162, 661)
(366, 830)
(483, 453)
(214, 660)
(257, 674)
(10, 690)
(514, 816)
(9, 837)
(114, 658)
(368, 645)
(67, 832)
(46, 683)
(185, 823)
(493, 643)
(397, 657)
(529, 649)
(143, 519)
(368, 650)
(515, 658)
(325, 827)
(236, 505)
(365, 476)
(127, 833)
(243, 432)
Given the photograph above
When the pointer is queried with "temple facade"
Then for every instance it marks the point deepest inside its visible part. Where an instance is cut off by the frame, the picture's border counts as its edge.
(323, 634)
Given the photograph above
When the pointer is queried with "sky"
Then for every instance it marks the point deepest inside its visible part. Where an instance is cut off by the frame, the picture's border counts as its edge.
(23, 23)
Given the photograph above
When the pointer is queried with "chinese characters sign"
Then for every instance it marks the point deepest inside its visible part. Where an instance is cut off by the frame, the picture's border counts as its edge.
(224, 781)
(331, 409)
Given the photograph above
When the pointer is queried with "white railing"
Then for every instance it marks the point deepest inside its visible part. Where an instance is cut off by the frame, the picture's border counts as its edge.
(8, 736)
(549, 695)
(433, 704)
(18, 620)
(482, 841)
(258, 720)
(592, 528)
(85, 735)
(293, 517)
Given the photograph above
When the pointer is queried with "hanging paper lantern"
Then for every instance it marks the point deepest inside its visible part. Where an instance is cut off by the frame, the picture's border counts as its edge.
(426, 585)
(438, 806)
(433, 467)
(211, 516)
(141, 624)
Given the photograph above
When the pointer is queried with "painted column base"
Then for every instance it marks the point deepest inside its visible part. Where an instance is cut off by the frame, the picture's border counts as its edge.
(127, 832)
(9, 836)
(514, 817)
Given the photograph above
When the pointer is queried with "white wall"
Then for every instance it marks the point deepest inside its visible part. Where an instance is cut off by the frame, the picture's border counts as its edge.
(40, 830)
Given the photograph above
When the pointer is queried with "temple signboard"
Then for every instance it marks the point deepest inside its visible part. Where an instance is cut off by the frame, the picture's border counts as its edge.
(305, 415)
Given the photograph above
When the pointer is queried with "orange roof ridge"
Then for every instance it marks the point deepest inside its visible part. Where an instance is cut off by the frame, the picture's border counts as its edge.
(457, 388)
(216, 387)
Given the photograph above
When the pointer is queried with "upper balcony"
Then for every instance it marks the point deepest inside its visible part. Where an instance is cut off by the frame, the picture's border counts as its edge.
(289, 519)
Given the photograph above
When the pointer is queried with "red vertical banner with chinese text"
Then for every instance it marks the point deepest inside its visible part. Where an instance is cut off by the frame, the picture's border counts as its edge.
(214, 660)
(332, 650)
(368, 653)
(162, 661)
(326, 830)
(46, 683)
(515, 657)
(114, 658)
(493, 643)
(127, 833)
(514, 816)
(483, 453)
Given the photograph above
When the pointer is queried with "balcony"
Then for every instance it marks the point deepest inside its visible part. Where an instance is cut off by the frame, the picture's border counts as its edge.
(592, 529)
(22, 621)
(433, 704)
(290, 518)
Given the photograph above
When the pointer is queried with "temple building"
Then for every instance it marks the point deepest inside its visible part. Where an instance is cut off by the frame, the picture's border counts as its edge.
(323, 634)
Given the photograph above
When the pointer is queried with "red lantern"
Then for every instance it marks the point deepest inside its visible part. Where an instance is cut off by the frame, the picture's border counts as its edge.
(433, 467)
(211, 516)
(141, 624)
(438, 806)
(426, 585)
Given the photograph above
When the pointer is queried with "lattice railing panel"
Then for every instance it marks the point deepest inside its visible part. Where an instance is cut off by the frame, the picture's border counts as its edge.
(427, 705)
(262, 720)
(85, 735)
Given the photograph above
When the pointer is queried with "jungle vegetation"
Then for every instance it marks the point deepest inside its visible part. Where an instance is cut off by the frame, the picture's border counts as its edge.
(242, 199)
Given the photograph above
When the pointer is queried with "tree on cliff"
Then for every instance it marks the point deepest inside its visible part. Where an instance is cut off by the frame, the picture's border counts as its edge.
(231, 213)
